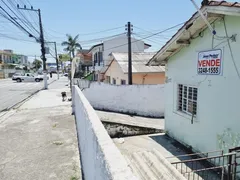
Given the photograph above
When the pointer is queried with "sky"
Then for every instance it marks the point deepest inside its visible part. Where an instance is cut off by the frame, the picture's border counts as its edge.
(90, 19)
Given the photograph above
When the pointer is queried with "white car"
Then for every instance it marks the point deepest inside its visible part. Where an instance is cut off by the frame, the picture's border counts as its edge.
(28, 77)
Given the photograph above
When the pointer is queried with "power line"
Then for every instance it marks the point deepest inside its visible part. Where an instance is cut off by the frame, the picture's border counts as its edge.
(107, 30)
(149, 32)
(26, 22)
(13, 38)
(86, 34)
(154, 34)
(101, 39)
(153, 41)
(10, 18)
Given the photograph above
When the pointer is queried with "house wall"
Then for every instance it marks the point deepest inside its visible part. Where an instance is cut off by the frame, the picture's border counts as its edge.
(93, 51)
(145, 100)
(122, 42)
(150, 78)
(100, 158)
(111, 45)
(114, 71)
(217, 122)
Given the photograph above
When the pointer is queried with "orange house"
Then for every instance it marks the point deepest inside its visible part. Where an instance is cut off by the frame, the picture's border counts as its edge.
(117, 70)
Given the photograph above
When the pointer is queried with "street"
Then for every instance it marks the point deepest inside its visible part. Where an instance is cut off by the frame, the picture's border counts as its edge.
(12, 93)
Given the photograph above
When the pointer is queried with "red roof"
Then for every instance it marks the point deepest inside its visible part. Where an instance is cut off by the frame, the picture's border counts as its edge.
(223, 3)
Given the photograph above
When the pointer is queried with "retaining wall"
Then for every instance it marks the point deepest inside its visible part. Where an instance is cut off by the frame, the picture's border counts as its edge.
(101, 159)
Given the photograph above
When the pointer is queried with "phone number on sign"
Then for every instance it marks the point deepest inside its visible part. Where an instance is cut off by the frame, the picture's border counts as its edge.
(206, 70)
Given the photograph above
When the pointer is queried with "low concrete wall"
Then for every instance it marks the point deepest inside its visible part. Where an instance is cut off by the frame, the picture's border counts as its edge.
(144, 100)
(101, 159)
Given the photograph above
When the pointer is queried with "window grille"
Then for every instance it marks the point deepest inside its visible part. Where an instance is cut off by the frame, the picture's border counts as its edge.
(187, 99)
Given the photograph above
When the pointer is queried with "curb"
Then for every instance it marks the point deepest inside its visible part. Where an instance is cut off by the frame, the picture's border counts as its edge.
(18, 104)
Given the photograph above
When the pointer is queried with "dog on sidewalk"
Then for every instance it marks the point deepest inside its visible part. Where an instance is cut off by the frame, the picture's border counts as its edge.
(64, 96)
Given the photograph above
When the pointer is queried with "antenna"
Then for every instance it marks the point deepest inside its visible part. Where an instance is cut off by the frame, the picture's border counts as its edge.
(204, 18)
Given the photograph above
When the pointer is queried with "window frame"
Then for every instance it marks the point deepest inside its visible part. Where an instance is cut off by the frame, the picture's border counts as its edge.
(190, 98)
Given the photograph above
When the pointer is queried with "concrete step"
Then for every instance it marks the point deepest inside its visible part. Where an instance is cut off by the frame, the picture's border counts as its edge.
(135, 169)
(145, 171)
(182, 168)
(151, 165)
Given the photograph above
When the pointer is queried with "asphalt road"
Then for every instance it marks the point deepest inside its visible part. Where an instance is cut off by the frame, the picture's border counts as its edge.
(12, 93)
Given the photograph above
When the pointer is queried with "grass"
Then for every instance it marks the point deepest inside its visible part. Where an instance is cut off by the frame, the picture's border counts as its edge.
(73, 178)
(89, 77)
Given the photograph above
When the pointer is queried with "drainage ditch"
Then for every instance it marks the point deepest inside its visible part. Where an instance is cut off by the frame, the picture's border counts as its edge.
(117, 130)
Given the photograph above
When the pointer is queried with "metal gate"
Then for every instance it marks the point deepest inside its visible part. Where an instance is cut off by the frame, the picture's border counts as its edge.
(210, 167)
(235, 168)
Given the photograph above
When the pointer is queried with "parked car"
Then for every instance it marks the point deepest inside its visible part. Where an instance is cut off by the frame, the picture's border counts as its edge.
(14, 77)
(28, 77)
(41, 76)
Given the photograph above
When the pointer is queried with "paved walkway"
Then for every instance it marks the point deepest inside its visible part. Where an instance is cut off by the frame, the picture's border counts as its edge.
(38, 140)
(131, 120)
(12, 93)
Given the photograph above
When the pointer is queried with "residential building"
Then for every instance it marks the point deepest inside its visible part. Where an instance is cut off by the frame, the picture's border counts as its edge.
(85, 60)
(6, 56)
(100, 52)
(22, 60)
(117, 71)
(202, 79)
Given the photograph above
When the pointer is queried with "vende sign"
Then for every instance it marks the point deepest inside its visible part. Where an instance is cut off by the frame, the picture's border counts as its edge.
(209, 62)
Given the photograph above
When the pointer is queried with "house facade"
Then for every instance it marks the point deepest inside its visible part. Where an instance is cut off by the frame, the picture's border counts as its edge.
(117, 70)
(6, 56)
(202, 79)
(85, 60)
(100, 52)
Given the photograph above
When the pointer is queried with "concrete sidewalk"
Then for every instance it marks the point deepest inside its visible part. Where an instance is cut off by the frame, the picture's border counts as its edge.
(38, 140)
(155, 123)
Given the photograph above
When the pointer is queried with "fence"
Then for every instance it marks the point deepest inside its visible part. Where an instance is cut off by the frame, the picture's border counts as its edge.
(202, 166)
(236, 168)
(6, 73)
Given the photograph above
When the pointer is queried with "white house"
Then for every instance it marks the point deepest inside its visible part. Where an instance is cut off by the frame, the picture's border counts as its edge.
(100, 52)
(203, 79)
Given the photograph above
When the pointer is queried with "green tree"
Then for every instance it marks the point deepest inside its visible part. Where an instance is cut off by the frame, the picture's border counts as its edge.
(37, 64)
(72, 45)
(64, 57)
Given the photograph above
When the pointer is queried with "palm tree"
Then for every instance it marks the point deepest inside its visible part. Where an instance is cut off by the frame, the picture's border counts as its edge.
(71, 45)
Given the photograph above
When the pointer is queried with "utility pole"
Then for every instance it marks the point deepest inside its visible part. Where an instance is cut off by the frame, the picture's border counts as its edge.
(56, 56)
(41, 39)
(55, 44)
(129, 32)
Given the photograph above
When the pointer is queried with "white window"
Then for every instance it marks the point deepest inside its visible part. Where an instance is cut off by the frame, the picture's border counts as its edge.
(187, 99)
